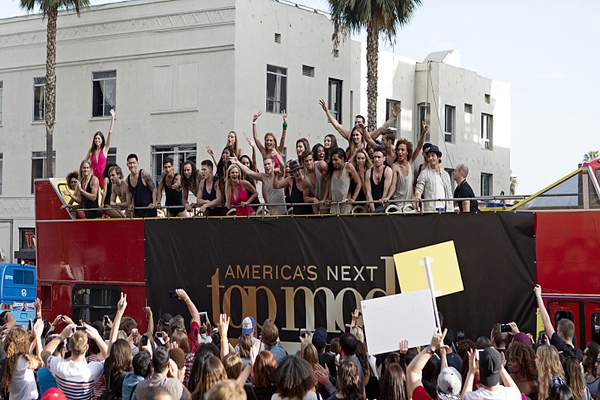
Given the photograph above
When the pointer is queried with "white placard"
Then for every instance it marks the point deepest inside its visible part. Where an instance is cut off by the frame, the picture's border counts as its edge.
(390, 319)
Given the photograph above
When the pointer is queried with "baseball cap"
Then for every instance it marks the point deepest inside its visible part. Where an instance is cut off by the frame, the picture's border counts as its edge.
(53, 394)
(449, 381)
(248, 325)
(319, 338)
(490, 363)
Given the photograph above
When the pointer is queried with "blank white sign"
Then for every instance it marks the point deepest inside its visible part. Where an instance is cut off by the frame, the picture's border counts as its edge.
(390, 319)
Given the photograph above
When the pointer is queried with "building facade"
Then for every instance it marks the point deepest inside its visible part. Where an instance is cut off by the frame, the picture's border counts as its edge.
(182, 74)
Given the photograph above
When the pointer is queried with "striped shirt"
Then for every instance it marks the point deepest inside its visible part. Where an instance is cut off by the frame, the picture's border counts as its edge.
(75, 379)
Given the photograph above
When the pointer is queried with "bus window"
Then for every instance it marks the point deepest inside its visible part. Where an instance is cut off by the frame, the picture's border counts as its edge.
(92, 302)
(22, 277)
(595, 326)
(562, 314)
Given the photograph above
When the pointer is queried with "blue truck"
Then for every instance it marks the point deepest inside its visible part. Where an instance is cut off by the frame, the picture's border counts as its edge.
(18, 287)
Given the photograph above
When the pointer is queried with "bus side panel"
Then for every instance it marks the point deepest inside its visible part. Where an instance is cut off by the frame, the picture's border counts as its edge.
(19, 292)
(567, 246)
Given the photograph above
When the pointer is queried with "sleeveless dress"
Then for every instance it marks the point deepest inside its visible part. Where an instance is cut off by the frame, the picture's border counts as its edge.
(98, 165)
(142, 196)
(339, 191)
(173, 198)
(87, 204)
(242, 196)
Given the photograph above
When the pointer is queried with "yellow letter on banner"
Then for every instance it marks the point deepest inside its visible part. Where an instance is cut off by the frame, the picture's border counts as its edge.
(444, 269)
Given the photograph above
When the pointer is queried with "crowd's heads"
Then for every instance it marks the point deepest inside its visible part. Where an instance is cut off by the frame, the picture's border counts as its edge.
(590, 354)
(264, 369)
(85, 166)
(141, 364)
(449, 381)
(245, 344)
(522, 338)
(132, 156)
(404, 147)
(318, 151)
(393, 383)
(500, 338)
(233, 365)
(294, 166)
(302, 145)
(120, 357)
(270, 141)
(179, 336)
(127, 325)
(347, 378)
(560, 392)
(98, 141)
(309, 353)
(116, 171)
(330, 142)
(490, 363)
(348, 343)
(72, 178)
(359, 118)
(212, 371)
(248, 325)
(361, 158)
(232, 140)
(78, 343)
(270, 333)
(294, 378)
(434, 149)
(520, 359)
(319, 339)
(160, 359)
(226, 390)
(566, 329)
(165, 322)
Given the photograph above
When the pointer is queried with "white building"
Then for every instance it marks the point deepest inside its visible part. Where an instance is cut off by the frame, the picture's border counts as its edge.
(183, 73)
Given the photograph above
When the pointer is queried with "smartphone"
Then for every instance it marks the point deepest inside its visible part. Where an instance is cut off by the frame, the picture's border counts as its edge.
(29, 325)
(203, 317)
(62, 317)
(347, 328)
(303, 332)
(542, 338)
(505, 328)
(144, 340)
(478, 352)
(80, 328)
(106, 319)
(173, 295)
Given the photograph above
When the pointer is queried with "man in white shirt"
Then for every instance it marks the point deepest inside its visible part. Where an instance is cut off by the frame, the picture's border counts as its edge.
(433, 183)
(490, 372)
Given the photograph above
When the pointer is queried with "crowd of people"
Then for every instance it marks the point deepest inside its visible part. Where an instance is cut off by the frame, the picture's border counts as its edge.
(112, 360)
(374, 171)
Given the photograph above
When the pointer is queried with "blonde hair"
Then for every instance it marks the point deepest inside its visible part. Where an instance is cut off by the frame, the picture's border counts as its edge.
(309, 353)
(16, 345)
(274, 140)
(548, 365)
(228, 187)
(84, 183)
(574, 377)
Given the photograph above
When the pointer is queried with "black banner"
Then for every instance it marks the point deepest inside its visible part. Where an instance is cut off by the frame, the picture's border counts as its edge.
(306, 272)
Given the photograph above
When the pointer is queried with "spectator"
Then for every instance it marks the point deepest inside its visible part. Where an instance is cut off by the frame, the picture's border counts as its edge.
(348, 383)
(87, 191)
(318, 151)
(295, 379)
(141, 370)
(562, 338)
(106, 192)
(116, 366)
(591, 366)
(326, 358)
(190, 181)
(233, 365)
(209, 197)
(233, 144)
(226, 390)
(140, 189)
(418, 168)
(434, 183)
(490, 372)
(270, 337)
(348, 345)
(355, 143)
(362, 163)
(19, 377)
(170, 181)
(295, 184)
(211, 373)
(302, 145)
(75, 377)
(263, 377)
(393, 383)
(464, 190)
(271, 193)
(378, 182)
(238, 192)
(560, 392)
(520, 363)
(575, 380)
(45, 379)
(340, 174)
(163, 376)
(330, 144)
(98, 152)
(178, 357)
(499, 339)
(315, 184)
(270, 147)
(550, 370)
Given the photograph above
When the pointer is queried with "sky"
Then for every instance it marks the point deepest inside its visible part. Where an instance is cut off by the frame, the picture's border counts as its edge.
(543, 48)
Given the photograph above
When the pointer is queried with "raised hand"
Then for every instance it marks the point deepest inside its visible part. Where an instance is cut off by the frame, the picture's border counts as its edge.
(396, 110)
(323, 105)
(284, 115)
(122, 304)
(256, 116)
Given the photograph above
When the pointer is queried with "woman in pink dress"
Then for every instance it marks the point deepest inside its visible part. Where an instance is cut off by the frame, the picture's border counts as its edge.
(239, 192)
(99, 151)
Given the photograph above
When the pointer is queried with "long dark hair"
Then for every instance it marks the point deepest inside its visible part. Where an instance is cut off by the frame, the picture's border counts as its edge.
(347, 381)
(189, 184)
(393, 384)
(119, 360)
(340, 153)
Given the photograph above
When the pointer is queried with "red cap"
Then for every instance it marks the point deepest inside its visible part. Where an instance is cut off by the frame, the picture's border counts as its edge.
(54, 394)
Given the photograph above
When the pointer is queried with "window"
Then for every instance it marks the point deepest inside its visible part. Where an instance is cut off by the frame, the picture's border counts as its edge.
(336, 53)
(486, 184)
(308, 71)
(468, 108)
(278, 38)
(389, 106)
(22, 277)
(112, 155)
(1, 86)
(424, 115)
(595, 325)
(92, 302)
(450, 172)
(38, 165)
(276, 89)
(39, 99)
(450, 125)
(334, 100)
(487, 127)
(487, 98)
(179, 153)
(562, 314)
(1, 162)
(104, 88)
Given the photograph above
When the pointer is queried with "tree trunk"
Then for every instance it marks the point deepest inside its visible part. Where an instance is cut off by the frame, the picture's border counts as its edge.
(52, 15)
(372, 62)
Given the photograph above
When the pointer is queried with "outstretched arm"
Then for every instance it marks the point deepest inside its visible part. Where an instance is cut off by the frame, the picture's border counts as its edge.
(182, 295)
(363, 131)
(114, 331)
(354, 175)
(413, 371)
(336, 125)
(252, 145)
(473, 367)
(247, 171)
(110, 132)
(417, 150)
(543, 312)
(211, 153)
(281, 146)
(377, 132)
(260, 146)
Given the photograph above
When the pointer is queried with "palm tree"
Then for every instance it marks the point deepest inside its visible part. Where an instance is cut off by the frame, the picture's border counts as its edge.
(378, 17)
(50, 8)
(591, 155)
(514, 183)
